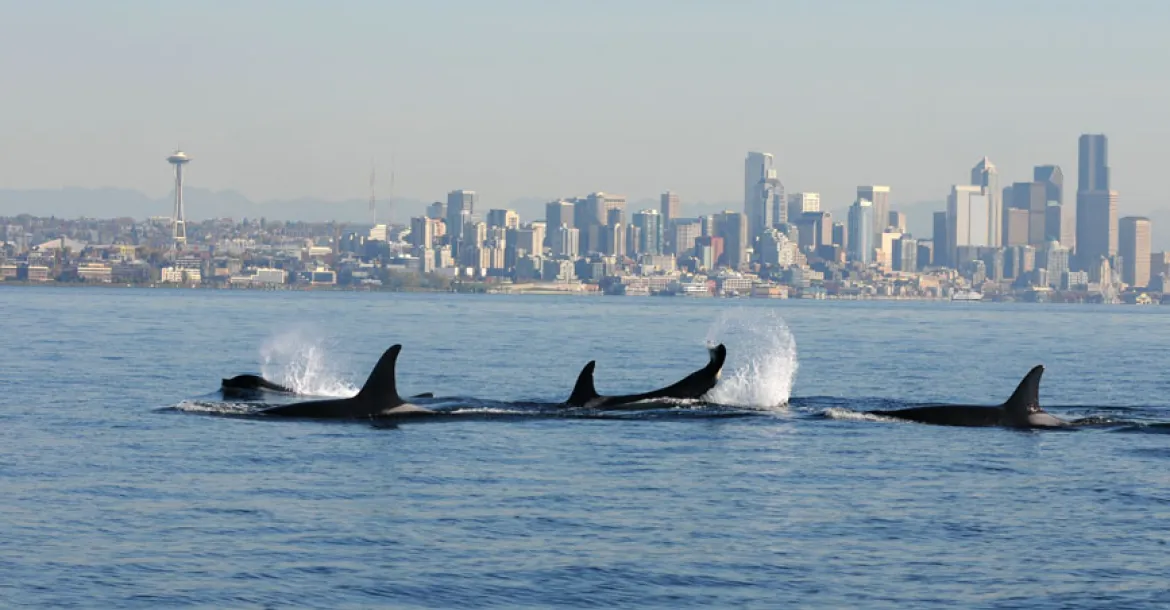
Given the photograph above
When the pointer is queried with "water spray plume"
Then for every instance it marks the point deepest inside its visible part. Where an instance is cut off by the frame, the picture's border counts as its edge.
(298, 360)
(761, 363)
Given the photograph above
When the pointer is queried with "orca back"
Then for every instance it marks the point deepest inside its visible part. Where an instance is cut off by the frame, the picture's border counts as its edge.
(948, 415)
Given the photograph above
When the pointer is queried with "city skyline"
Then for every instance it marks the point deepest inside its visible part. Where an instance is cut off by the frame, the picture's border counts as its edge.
(1048, 177)
(276, 115)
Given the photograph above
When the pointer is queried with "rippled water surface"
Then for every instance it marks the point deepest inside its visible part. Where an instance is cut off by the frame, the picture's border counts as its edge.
(121, 486)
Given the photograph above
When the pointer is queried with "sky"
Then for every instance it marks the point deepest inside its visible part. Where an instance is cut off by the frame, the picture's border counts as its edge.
(555, 98)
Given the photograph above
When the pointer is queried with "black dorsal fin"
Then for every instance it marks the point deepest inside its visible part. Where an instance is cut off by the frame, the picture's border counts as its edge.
(583, 392)
(381, 387)
(1026, 398)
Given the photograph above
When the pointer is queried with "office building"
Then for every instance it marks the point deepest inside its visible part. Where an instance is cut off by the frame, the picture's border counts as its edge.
(669, 207)
(985, 175)
(460, 211)
(649, 223)
(566, 242)
(1033, 197)
(861, 236)
(815, 229)
(840, 235)
(1060, 223)
(763, 201)
(686, 232)
(1052, 178)
(897, 220)
(422, 232)
(1056, 260)
(905, 254)
(1015, 231)
(802, 203)
(1096, 228)
(879, 198)
(1096, 209)
(942, 249)
(1134, 245)
(733, 228)
(507, 219)
(968, 221)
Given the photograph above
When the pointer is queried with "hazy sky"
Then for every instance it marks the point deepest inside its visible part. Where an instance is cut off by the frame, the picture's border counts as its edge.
(550, 98)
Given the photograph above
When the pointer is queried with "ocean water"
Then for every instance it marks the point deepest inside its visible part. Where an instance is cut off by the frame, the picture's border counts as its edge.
(122, 485)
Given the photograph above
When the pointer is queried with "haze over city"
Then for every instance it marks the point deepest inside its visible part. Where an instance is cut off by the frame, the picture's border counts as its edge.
(539, 100)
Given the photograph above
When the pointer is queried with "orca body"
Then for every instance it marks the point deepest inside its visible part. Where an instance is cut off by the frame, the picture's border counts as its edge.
(693, 386)
(378, 398)
(1022, 410)
(251, 386)
(254, 387)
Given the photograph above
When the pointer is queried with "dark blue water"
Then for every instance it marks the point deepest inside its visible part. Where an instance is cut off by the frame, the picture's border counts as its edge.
(118, 489)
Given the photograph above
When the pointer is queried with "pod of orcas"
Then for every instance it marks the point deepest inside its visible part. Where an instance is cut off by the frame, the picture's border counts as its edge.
(379, 398)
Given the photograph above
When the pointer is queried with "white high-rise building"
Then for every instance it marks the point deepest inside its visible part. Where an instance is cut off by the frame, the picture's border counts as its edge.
(880, 197)
(985, 175)
(968, 221)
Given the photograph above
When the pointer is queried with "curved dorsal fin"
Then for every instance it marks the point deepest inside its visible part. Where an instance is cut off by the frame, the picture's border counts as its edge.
(583, 392)
(1026, 398)
(381, 387)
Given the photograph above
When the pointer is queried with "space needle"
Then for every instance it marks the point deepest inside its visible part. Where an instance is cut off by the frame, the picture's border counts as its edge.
(179, 159)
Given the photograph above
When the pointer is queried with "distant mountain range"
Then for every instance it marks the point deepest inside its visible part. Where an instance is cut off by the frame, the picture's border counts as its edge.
(200, 204)
(204, 204)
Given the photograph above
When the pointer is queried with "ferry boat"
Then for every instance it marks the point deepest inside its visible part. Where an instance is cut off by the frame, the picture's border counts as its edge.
(967, 295)
(695, 289)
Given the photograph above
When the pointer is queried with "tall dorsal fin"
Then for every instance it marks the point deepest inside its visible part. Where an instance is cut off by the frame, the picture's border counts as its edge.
(583, 392)
(381, 387)
(1026, 398)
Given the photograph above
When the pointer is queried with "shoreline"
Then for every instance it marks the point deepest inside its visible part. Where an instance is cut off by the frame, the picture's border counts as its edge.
(483, 289)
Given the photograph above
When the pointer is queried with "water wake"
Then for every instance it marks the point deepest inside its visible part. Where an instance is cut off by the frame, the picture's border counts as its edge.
(761, 362)
(215, 407)
(297, 359)
(844, 414)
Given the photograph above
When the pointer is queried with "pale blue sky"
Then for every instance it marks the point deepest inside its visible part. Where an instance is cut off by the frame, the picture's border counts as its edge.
(553, 98)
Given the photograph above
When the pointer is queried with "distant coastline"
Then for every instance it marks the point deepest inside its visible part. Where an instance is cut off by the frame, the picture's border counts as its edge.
(534, 291)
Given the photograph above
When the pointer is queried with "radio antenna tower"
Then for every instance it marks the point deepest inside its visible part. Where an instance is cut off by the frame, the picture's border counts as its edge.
(373, 204)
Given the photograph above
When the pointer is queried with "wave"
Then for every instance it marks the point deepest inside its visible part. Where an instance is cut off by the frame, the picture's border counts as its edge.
(845, 414)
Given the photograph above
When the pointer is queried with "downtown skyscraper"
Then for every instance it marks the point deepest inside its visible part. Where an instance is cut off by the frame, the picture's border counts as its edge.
(460, 211)
(879, 197)
(764, 203)
(860, 236)
(1096, 215)
(1134, 244)
(985, 175)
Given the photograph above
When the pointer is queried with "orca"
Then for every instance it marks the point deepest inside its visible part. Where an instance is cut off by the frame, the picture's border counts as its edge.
(1022, 410)
(378, 398)
(693, 386)
(249, 386)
